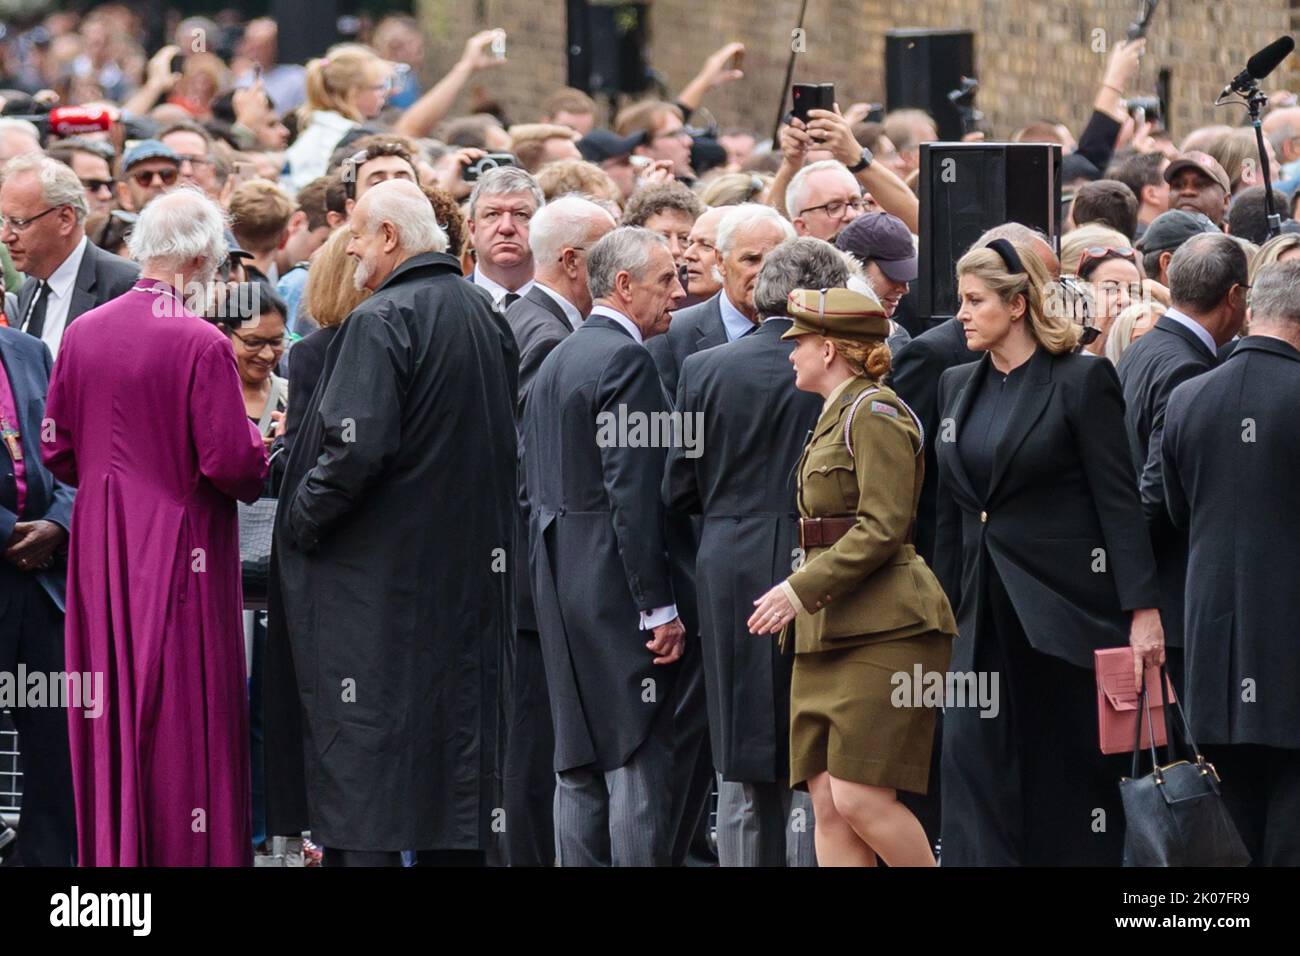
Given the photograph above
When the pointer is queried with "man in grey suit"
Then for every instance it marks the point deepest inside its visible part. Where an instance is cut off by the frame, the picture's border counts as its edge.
(43, 206)
(559, 236)
(742, 486)
(594, 458)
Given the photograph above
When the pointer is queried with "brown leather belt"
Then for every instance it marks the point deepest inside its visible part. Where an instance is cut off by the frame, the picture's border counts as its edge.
(824, 532)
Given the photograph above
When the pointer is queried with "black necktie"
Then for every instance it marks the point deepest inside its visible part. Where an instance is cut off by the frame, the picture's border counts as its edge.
(510, 299)
(36, 317)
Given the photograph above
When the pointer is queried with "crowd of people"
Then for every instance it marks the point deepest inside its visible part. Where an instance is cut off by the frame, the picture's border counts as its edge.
(603, 483)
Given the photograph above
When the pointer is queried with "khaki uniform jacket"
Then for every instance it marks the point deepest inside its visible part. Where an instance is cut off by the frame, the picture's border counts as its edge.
(871, 585)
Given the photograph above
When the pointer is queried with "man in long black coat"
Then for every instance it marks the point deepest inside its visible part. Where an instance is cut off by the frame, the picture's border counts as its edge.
(742, 482)
(594, 445)
(1231, 455)
(1207, 279)
(393, 541)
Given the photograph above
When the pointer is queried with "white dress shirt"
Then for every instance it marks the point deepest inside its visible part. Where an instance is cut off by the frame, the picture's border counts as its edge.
(497, 290)
(570, 310)
(660, 615)
(1199, 330)
(733, 320)
(62, 283)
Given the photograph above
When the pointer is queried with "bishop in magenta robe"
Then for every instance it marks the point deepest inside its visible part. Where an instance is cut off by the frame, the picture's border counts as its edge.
(145, 418)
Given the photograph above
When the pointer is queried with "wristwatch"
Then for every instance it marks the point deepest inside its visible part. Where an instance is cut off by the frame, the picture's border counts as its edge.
(863, 162)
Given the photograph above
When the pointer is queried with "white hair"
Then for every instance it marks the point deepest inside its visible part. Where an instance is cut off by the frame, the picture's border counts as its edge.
(400, 203)
(503, 180)
(741, 217)
(625, 249)
(563, 222)
(9, 124)
(798, 188)
(178, 226)
(59, 184)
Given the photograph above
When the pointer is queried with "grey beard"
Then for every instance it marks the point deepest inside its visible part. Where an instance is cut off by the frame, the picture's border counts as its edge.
(362, 275)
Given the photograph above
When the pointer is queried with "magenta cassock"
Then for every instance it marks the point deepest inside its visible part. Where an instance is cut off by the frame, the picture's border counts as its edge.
(145, 417)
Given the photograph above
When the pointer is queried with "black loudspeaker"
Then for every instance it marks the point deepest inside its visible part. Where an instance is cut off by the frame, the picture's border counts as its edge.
(307, 28)
(922, 67)
(968, 188)
(606, 46)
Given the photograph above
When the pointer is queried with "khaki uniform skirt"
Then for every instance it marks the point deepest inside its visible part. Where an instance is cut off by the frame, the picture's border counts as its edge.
(842, 718)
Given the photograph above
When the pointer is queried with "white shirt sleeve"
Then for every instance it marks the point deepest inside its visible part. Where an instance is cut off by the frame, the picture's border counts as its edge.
(660, 615)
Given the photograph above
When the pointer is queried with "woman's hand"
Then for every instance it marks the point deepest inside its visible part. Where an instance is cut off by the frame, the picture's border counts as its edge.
(1147, 638)
(773, 612)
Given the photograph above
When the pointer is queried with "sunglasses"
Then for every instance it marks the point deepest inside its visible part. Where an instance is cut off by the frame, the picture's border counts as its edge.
(144, 178)
(1102, 253)
(96, 185)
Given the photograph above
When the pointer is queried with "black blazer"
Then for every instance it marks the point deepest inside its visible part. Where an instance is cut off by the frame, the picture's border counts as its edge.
(596, 543)
(741, 479)
(101, 276)
(1149, 370)
(27, 365)
(691, 330)
(306, 362)
(539, 325)
(1061, 524)
(915, 379)
(1231, 455)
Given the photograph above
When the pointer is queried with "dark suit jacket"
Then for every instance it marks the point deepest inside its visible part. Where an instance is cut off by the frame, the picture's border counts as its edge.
(27, 364)
(306, 362)
(597, 545)
(102, 276)
(1149, 370)
(1231, 454)
(917, 368)
(539, 325)
(691, 330)
(754, 426)
(1060, 524)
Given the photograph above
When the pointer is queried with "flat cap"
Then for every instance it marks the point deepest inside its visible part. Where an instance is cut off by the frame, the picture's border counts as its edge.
(841, 313)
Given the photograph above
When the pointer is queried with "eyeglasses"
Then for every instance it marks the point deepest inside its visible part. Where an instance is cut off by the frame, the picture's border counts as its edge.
(835, 208)
(21, 225)
(1102, 253)
(253, 346)
(575, 249)
(95, 185)
(144, 178)
(679, 133)
(195, 160)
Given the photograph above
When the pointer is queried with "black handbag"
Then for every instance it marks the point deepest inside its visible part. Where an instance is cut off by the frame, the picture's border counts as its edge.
(256, 528)
(1175, 815)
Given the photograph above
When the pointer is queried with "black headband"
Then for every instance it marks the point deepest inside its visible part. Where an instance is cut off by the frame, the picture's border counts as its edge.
(1007, 253)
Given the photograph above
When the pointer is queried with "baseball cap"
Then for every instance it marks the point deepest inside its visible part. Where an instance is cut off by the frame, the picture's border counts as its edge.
(602, 144)
(148, 149)
(885, 240)
(1203, 162)
(1171, 229)
(839, 312)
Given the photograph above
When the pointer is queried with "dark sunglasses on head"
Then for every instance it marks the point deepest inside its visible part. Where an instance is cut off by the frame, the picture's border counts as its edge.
(1102, 253)
(144, 178)
(1089, 335)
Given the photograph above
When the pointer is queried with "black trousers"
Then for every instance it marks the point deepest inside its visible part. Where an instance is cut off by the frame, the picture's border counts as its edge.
(1261, 787)
(31, 633)
(693, 779)
(1029, 787)
(529, 774)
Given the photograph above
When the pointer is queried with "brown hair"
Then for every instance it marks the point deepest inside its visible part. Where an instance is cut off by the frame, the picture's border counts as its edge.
(528, 141)
(577, 176)
(567, 100)
(648, 116)
(867, 357)
(330, 293)
(259, 213)
(312, 200)
(334, 78)
(447, 211)
(653, 200)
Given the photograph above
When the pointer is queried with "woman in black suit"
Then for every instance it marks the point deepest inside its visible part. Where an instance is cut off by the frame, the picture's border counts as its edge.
(1042, 547)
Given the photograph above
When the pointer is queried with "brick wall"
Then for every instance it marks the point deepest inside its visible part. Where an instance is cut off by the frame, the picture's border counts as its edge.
(1033, 57)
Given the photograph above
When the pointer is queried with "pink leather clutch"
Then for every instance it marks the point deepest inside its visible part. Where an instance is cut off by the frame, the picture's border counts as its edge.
(1117, 702)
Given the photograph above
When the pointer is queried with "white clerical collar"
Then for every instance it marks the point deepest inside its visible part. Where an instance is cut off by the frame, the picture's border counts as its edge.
(570, 310)
(61, 279)
(733, 320)
(621, 319)
(1200, 331)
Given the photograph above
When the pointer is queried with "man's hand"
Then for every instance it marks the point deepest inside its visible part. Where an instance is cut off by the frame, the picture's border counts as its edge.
(34, 543)
(669, 641)
(656, 174)
(830, 131)
(1147, 638)
(478, 50)
(716, 70)
(449, 171)
(159, 75)
(1122, 68)
(251, 106)
(795, 143)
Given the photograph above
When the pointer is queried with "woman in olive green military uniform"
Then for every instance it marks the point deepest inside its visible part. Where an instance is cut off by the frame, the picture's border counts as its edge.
(866, 609)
